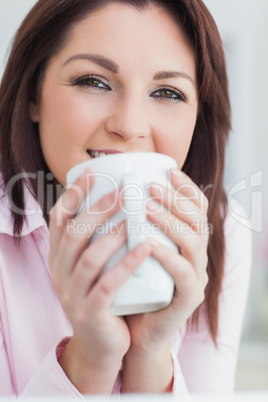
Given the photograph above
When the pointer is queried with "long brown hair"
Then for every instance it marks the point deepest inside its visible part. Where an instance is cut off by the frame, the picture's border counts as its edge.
(41, 35)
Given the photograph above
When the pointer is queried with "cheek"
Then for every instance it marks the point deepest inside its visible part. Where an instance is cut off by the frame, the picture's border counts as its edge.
(63, 118)
(176, 136)
(65, 126)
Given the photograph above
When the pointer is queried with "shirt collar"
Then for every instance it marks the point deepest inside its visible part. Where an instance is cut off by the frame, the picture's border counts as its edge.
(33, 212)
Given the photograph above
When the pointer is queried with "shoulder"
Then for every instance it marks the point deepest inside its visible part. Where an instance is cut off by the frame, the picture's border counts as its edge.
(5, 213)
(33, 215)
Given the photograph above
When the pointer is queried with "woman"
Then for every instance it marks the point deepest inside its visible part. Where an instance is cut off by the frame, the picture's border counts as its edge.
(86, 76)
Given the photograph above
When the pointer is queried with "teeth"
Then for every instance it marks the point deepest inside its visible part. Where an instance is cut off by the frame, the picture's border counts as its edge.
(96, 154)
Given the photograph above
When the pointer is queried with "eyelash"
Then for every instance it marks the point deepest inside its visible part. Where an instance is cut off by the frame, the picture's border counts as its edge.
(179, 95)
(83, 82)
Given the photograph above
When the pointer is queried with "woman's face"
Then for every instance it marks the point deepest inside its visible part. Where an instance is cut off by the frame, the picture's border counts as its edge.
(124, 81)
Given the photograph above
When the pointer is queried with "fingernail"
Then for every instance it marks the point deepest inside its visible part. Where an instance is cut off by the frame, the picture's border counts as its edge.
(87, 171)
(84, 174)
(177, 172)
(153, 206)
(157, 189)
(141, 249)
(153, 242)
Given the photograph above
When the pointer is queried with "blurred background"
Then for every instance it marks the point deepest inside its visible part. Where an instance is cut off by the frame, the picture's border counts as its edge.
(244, 31)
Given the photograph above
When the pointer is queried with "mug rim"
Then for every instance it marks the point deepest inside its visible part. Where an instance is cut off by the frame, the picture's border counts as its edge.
(166, 159)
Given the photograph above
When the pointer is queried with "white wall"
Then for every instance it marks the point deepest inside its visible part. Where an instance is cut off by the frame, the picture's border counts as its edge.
(11, 14)
(244, 30)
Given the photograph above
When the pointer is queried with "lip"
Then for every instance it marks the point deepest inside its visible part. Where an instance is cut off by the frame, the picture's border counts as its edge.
(106, 151)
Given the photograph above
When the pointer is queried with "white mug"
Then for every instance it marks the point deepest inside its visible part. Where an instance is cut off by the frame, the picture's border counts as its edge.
(150, 287)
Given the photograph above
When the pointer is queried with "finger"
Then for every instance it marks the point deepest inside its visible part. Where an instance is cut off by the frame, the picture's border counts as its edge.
(188, 285)
(105, 290)
(189, 189)
(94, 258)
(192, 245)
(67, 205)
(179, 205)
(79, 231)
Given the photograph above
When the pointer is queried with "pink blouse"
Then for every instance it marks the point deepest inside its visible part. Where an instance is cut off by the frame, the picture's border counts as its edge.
(33, 326)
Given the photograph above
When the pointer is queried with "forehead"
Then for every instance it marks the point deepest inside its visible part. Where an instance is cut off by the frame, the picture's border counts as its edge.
(118, 28)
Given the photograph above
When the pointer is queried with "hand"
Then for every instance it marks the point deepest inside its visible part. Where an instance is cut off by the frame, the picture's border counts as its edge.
(100, 339)
(182, 211)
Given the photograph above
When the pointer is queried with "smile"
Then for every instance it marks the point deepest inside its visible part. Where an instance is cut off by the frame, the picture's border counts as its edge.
(98, 154)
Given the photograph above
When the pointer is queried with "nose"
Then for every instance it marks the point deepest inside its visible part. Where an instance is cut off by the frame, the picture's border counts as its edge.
(129, 119)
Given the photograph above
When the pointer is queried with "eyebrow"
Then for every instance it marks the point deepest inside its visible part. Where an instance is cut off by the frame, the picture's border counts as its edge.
(114, 68)
(96, 58)
(173, 74)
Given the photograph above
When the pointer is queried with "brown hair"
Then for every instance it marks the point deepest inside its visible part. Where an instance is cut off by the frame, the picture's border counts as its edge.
(41, 35)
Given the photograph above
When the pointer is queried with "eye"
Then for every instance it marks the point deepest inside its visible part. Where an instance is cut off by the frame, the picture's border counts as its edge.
(91, 81)
(169, 94)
